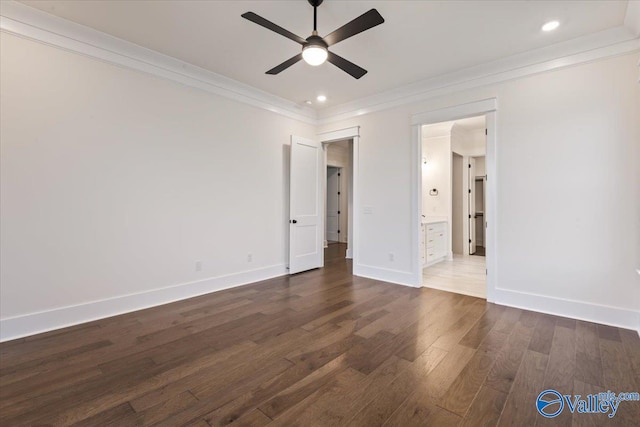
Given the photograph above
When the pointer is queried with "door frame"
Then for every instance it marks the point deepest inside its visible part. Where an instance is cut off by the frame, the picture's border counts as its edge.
(488, 108)
(352, 133)
(326, 198)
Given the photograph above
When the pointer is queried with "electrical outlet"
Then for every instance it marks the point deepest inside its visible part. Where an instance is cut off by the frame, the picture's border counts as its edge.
(249, 257)
(391, 256)
(198, 265)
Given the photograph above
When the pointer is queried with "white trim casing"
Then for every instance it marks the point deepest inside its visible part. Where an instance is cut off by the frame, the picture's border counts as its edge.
(34, 323)
(352, 133)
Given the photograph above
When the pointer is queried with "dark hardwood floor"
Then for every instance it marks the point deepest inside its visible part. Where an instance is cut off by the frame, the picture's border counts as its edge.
(320, 348)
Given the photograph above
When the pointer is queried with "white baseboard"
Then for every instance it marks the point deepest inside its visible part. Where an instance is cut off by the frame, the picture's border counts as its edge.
(603, 314)
(349, 254)
(35, 323)
(387, 275)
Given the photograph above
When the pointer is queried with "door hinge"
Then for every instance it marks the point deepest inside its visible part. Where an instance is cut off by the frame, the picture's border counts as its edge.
(469, 240)
(469, 165)
(469, 216)
(469, 191)
(338, 193)
(338, 231)
(486, 272)
(338, 173)
(485, 132)
(338, 212)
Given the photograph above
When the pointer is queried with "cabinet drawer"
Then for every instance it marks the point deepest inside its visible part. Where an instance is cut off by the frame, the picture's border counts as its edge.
(434, 238)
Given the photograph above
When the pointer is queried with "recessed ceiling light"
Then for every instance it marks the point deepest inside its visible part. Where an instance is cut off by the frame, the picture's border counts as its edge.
(550, 26)
(308, 102)
(321, 98)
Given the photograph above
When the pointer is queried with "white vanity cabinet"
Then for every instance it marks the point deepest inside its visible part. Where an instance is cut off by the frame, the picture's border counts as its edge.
(435, 242)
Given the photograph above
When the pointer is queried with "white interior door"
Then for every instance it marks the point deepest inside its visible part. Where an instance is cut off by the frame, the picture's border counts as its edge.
(472, 205)
(333, 204)
(305, 205)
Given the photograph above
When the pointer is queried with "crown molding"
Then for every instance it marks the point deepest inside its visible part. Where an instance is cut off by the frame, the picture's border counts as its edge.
(34, 24)
(593, 47)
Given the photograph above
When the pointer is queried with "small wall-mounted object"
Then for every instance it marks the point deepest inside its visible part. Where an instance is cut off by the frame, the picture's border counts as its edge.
(433, 192)
(424, 160)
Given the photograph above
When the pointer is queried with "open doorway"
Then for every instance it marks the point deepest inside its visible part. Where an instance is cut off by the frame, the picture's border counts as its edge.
(453, 206)
(339, 200)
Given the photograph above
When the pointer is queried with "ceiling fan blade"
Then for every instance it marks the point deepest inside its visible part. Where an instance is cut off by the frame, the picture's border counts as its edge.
(273, 27)
(286, 64)
(362, 23)
(346, 66)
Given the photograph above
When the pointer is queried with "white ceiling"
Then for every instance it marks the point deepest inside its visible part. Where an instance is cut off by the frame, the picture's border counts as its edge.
(419, 40)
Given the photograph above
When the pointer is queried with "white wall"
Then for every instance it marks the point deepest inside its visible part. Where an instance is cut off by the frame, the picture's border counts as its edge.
(436, 174)
(557, 251)
(115, 183)
(468, 142)
(481, 168)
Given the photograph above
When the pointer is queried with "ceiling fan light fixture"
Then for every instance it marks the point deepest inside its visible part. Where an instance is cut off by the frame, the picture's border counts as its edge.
(314, 55)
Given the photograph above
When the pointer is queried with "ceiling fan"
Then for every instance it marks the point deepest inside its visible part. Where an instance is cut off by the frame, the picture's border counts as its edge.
(315, 48)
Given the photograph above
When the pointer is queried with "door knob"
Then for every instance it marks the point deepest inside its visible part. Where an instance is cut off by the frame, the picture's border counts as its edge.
(294, 221)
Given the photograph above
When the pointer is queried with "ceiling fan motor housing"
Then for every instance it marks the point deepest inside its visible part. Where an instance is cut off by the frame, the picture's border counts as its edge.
(315, 40)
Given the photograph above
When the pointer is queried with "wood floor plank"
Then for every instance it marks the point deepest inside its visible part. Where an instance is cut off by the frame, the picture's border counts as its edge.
(254, 418)
(459, 396)
(432, 388)
(520, 408)
(314, 411)
(485, 409)
(507, 361)
(462, 326)
(319, 348)
(588, 361)
(482, 327)
(378, 410)
(589, 420)
(164, 410)
(543, 334)
(615, 364)
(631, 343)
(608, 333)
(560, 372)
(302, 389)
